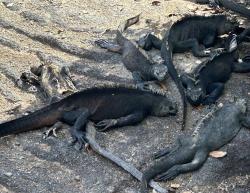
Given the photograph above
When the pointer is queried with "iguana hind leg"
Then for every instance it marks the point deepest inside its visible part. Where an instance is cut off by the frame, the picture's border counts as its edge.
(78, 130)
(109, 46)
(120, 122)
(199, 159)
(163, 152)
(168, 150)
(53, 129)
(197, 49)
(242, 67)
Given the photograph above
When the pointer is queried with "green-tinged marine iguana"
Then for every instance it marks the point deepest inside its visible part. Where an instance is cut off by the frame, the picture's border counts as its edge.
(192, 32)
(107, 106)
(134, 59)
(215, 130)
(206, 83)
(228, 4)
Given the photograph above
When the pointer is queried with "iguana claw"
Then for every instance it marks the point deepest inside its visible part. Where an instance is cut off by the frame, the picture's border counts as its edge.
(78, 137)
(52, 130)
(169, 175)
(105, 124)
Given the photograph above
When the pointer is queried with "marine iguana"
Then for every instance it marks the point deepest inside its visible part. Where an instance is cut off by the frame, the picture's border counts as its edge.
(191, 32)
(228, 4)
(206, 83)
(108, 107)
(215, 130)
(134, 59)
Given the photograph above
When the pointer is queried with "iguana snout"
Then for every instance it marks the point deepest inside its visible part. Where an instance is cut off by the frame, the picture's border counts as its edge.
(165, 108)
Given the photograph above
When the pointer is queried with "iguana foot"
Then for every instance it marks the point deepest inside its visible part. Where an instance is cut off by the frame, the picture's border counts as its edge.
(52, 130)
(145, 86)
(216, 52)
(78, 137)
(169, 175)
(102, 43)
(105, 124)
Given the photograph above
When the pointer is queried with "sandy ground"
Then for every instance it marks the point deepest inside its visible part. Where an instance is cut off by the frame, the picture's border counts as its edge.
(30, 164)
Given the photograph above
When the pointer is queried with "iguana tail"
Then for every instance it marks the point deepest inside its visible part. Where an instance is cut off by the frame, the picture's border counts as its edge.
(166, 52)
(44, 117)
(158, 168)
(123, 26)
(236, 7)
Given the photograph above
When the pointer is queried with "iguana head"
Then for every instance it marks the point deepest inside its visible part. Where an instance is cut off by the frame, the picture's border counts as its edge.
(164, 107)
(228, 25)
(144, 42)
(159, 71)
(194, 90)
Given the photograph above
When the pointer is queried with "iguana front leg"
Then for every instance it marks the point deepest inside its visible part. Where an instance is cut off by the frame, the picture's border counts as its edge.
(199, 159)
(214, 91)
(131, 119)
(78, 130)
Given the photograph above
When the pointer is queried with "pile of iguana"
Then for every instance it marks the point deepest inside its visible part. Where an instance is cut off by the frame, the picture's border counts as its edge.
(118, 105)
(129, 105)
(215, 130)
(206, 83)
(228, 4)
(190, 33)
(134, 59)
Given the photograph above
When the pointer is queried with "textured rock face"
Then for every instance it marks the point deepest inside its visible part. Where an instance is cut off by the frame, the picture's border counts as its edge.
(63, 32)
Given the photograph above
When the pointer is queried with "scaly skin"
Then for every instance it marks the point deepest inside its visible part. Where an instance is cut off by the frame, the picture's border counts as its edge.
(188, 34)
(214, 131)
(206, 83)
(108, 107)
(134, 59)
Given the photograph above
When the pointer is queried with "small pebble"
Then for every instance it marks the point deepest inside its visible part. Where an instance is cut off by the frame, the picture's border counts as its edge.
(77, 178)
(175, 186)
(8, 174)
(220, 105)
(17, 144)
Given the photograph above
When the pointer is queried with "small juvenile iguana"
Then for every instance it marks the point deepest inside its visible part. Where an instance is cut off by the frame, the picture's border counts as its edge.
(192, 32)
(214, 131)
(206, 83)
(228, 4)
(134, 59)
(108, 107)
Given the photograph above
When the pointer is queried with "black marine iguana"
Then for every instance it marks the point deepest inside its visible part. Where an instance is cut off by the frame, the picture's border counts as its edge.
(228, 4)
(108, 107)
(134, 59)
(214, 131)
(206, 83)
(191, 32)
